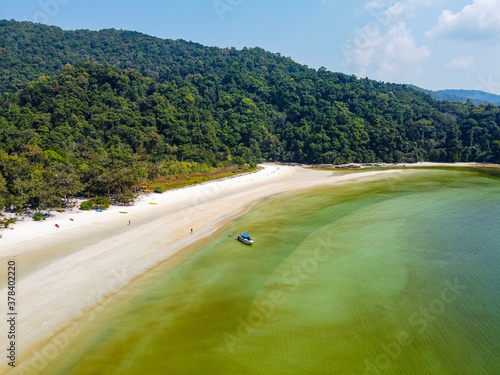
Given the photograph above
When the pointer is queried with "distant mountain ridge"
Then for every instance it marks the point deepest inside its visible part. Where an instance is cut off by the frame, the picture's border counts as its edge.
(476, 97)
(485, 97)
(98, 112)
(86, 95)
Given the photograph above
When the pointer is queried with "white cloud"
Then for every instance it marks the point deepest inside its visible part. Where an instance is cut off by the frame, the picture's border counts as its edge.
(463, 62)
(407, 6)
(477, 21)
(394, 52)
(376, 4)
(395, 9)
(489, 84)
(385, 47)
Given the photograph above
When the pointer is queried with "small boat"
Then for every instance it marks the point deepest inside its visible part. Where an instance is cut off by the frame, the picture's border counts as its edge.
(245, 238)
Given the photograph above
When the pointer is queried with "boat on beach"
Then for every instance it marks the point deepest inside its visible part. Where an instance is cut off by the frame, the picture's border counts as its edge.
(245, 238)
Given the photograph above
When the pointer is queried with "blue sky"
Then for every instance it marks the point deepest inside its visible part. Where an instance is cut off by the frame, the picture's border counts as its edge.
(435, 44)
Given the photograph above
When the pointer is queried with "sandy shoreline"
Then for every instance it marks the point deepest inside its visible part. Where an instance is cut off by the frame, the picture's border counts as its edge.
(63, 272)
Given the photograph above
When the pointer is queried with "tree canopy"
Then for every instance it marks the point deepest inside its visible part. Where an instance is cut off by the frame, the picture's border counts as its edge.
(97, 112)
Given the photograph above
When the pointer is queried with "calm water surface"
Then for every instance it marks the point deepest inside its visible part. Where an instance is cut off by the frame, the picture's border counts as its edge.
(396, 276)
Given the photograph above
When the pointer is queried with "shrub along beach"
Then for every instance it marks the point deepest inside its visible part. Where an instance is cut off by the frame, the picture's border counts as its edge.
(73, 275)
(128, 161)
(69, 269)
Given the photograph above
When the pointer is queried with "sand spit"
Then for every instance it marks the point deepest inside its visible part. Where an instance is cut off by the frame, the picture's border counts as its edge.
(63, 272)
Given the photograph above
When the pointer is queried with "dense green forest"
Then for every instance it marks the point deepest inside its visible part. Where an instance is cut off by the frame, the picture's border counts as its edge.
(97, 112)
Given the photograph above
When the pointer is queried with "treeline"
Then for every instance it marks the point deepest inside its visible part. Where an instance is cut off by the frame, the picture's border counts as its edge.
(108, 109)
(96, 130)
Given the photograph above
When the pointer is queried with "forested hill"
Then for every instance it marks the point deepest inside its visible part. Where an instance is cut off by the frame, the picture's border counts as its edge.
(463, 96)
(107, 109)
(473, 95)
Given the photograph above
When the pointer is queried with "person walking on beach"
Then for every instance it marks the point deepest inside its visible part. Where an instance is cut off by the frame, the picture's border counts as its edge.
(191, 230)
(129, 222)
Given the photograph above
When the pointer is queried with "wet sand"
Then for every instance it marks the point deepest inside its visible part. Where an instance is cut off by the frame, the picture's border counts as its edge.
(63, 272)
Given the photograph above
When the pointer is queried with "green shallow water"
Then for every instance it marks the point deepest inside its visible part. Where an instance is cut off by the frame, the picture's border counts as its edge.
(395, 276)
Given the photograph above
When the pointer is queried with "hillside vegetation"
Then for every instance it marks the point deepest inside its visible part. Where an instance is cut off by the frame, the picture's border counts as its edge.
(98, 112)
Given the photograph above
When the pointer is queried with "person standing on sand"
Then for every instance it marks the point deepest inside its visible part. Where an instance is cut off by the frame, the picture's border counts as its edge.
(129, 222)
(191, 230)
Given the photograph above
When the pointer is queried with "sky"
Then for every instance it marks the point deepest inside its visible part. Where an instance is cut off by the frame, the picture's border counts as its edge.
(434, 44)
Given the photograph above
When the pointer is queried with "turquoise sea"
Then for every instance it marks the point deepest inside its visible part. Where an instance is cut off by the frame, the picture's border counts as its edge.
(394, 276)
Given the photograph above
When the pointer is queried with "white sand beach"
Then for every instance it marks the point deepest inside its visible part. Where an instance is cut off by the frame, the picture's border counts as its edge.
(64, 272)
